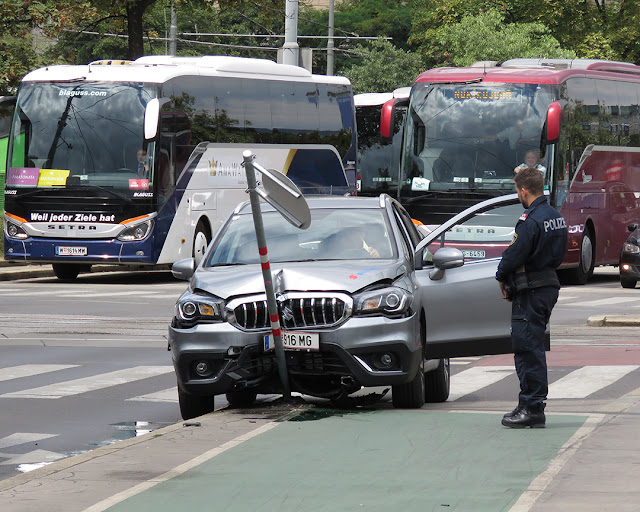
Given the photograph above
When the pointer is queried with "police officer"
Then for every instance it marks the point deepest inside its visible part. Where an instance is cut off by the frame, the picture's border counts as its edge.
(527, 277)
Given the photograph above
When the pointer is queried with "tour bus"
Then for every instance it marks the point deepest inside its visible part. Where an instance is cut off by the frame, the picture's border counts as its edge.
(378, 157)
(137, 163)
(468, 129)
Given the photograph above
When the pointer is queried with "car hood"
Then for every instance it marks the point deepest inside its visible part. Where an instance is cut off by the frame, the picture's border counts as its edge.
(346, 276)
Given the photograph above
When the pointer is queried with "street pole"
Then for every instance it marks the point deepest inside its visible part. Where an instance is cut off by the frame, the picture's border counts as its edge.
(330, 44)
(272, 305)
(291, 50)
(173, 31)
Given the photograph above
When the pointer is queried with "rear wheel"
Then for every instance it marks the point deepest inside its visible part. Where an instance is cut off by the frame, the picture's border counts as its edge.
(241, 398)
(201, 240)
(437, 383)
(192, 406)
(69, 271)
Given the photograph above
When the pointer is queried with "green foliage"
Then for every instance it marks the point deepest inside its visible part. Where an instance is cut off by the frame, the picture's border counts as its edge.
(383, 68)
(487, 37)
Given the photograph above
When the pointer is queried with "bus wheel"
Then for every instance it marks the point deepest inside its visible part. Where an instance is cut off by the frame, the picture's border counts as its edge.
(200, 241)
(69, 271)
(584, 271)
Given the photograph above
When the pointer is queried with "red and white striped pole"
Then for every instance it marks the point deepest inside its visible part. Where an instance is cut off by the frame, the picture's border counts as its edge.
(272, 305)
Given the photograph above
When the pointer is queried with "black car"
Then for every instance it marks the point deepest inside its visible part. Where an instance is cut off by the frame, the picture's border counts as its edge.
(630, 259)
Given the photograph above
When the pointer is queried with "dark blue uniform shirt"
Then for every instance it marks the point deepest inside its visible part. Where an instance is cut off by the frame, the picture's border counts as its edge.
(540, 241)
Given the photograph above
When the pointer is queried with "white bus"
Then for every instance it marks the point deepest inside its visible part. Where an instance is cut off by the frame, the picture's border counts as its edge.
(138, 163)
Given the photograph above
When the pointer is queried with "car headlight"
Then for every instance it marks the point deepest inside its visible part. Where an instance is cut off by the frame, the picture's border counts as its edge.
(630, 248)
(194, 309)
(15, 232)
(137, 232)
(391, 301)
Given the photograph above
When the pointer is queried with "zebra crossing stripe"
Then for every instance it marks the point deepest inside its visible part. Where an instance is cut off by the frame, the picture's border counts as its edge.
(93, 383)
(29, 370)
(166, 395)
(587, 380)
(471, 380)
(22, 438)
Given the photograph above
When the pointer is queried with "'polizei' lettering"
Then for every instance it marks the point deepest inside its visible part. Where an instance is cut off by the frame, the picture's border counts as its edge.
(553, 224)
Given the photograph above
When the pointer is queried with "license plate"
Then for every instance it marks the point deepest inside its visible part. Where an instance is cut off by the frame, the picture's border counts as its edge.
(474, 254)
(294, 340)
(71, 251)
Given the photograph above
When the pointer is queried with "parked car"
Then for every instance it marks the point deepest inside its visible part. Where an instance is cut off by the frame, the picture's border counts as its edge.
(362, 303)
(630, 259)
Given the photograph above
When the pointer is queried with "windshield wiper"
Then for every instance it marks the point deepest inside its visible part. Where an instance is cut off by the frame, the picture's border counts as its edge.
(228, 264)
(104, 189)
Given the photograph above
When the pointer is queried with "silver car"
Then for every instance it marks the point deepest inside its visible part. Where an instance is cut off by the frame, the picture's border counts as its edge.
(364, 300)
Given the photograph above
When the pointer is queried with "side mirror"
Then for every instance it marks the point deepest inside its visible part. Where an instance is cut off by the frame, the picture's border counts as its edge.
(151, 118)
(444, 259)
(388, 115)
(184, 269)
(554, 118)
(632, 227)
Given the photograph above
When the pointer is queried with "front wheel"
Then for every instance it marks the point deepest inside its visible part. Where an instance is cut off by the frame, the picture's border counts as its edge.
(437, 383)
(411, 394)
(69, 271)
(584, 271)
(201, 241)
(626, 282)
(192, 406)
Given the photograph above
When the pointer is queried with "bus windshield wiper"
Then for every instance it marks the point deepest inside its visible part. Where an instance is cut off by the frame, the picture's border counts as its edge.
(104, 189)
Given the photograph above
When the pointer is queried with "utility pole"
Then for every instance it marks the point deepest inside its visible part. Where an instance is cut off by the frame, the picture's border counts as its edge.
(330, 41)
(173, 30)
(291, 50)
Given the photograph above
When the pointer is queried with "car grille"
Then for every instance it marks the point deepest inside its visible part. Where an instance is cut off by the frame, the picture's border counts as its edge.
(297, 310)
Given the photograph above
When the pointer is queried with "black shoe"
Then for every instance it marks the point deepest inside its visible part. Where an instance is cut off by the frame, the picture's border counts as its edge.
(525, 418)
(514, 412)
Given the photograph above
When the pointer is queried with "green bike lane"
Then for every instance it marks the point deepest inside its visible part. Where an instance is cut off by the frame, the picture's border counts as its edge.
(366, 460)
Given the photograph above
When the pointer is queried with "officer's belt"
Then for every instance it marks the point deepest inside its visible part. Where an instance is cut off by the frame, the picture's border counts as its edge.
(524, 280)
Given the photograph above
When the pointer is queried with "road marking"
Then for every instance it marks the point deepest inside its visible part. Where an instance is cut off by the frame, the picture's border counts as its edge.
(93, 383)
(29, 370)
(584, 381)
(177, 471)
(23, 437)
(478, 377)
(604, 302)
(166, 395)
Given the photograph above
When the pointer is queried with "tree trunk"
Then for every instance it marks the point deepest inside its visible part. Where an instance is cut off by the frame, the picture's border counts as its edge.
(135, 11)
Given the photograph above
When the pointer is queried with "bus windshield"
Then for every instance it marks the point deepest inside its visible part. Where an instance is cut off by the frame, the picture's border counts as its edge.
(472, 136)
(80, 133)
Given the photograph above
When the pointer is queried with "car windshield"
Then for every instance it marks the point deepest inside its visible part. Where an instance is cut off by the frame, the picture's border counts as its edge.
(80, 133)
(334, 234)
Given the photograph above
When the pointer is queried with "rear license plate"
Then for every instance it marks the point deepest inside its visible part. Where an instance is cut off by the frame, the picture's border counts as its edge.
(71, 251)
(474, 254)
(295, 340)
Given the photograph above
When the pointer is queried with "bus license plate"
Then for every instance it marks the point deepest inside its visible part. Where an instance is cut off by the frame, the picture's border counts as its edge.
(71, 251)
(295, 340)
(474, 254)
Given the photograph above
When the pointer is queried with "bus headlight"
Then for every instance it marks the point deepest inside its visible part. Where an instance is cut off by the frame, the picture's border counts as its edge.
(15, 232)
(137, 232)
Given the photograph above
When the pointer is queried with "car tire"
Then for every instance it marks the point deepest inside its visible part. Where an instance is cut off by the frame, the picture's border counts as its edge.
(201, 241)
(411, 394)
(192, 406)
(583, 272)
(626, 282)
(69, 271)
(437, 383)
(241, 398)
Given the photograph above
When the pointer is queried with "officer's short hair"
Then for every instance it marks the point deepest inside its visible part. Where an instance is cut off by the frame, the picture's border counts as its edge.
(531, 179)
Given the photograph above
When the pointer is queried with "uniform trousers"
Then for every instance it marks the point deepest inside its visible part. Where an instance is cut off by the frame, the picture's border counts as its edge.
(530, 313)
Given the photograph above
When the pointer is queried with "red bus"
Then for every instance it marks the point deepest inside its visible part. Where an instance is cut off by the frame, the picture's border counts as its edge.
(467, 129)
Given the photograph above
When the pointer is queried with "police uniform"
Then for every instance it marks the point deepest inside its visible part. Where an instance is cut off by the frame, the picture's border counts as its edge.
(528, 265)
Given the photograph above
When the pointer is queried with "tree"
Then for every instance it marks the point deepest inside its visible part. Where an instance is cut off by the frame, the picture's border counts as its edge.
(383, 68)
(20, 24)
(487, 37)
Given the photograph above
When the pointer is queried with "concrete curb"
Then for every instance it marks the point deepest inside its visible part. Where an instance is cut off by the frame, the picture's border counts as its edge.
(613, 321)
